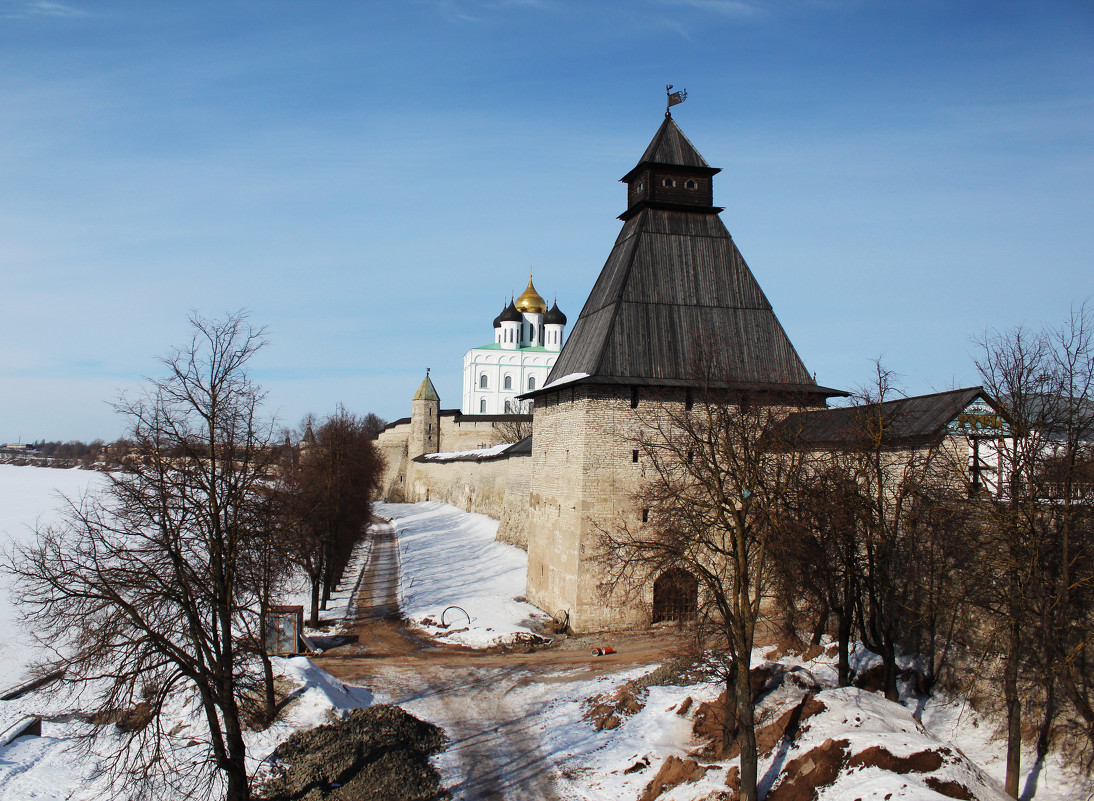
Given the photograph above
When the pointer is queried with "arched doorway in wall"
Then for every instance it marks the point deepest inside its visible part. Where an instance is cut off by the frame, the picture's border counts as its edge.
(675, 596)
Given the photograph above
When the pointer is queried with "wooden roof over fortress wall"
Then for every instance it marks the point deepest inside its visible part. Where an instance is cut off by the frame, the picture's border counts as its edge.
(675, 292)
(906, 422)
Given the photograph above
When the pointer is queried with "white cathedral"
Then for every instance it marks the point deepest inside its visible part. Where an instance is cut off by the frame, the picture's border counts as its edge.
(527, 340)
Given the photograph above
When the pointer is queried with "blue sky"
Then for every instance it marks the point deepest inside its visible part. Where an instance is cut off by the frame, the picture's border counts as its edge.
(370, 180)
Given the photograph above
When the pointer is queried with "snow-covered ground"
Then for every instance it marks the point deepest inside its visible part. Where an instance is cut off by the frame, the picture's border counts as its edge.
(50, 766)
(450, 558)
(593, 765)
(29, 497)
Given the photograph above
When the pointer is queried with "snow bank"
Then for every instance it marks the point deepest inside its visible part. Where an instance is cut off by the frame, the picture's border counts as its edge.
(51, 766)
(595, 764)
(451, 558)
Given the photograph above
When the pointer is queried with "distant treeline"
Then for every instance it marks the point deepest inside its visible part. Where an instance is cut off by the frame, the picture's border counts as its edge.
(103, 455)
(73, 453)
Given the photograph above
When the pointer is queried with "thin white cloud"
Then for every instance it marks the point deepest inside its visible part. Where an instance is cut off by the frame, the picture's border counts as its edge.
(15, 9)
(739, 9)
(754, 10)
(482, 10)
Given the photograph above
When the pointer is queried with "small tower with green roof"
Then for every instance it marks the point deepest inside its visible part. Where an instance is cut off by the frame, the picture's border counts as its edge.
(425, 422)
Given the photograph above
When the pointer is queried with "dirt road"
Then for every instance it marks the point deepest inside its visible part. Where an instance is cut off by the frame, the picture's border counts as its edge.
(494, 751)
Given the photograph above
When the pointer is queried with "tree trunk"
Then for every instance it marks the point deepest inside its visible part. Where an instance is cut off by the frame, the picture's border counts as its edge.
(236, 762)
(271, 695)
(746, 729)
(1014, 710)
(238, 787)
(1044, 736)
(821, 626)
(729, 713)
(313, 620)
(846, 621)
(888, 659)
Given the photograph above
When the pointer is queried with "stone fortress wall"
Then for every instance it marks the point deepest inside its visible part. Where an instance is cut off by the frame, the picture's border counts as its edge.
(493, 486)
(581, 475)
(496, 485)
(584, 479)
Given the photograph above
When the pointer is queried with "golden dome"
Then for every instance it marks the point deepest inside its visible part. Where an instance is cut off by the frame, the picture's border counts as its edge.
(531, 301)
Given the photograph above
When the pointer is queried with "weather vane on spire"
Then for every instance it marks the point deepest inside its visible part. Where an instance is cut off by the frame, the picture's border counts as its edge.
(675, 98)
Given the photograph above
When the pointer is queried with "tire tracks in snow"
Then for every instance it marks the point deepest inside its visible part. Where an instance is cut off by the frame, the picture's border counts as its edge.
(495, 750)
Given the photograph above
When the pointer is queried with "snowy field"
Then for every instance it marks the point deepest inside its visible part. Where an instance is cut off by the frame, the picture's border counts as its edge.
(49, 767)
(29, 497)
(465, 567)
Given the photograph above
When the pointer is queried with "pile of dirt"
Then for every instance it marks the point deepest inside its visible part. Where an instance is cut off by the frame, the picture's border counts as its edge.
(376, 754)
(135, 718)
(804, 777)
(807, 651)
(716, 721)
(673, 772)
(608, 710)
(817, 768)
(709, 721)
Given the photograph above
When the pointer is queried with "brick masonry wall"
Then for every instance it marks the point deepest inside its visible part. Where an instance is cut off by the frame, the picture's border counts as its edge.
(497, 488)
(467, 434)
(583, 479)
(579, 479)
(464, 435)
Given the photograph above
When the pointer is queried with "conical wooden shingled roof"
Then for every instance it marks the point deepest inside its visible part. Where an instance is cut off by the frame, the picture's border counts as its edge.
(675, 293)
(670, 146)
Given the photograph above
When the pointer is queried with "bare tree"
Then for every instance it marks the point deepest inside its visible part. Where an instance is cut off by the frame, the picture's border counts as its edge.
(816, 563)
(909, 503)
(717, 495)
(513, 429)
(882, 538)
(327, 495)
(1042, 555)
(143, 590)
(1066, 616)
